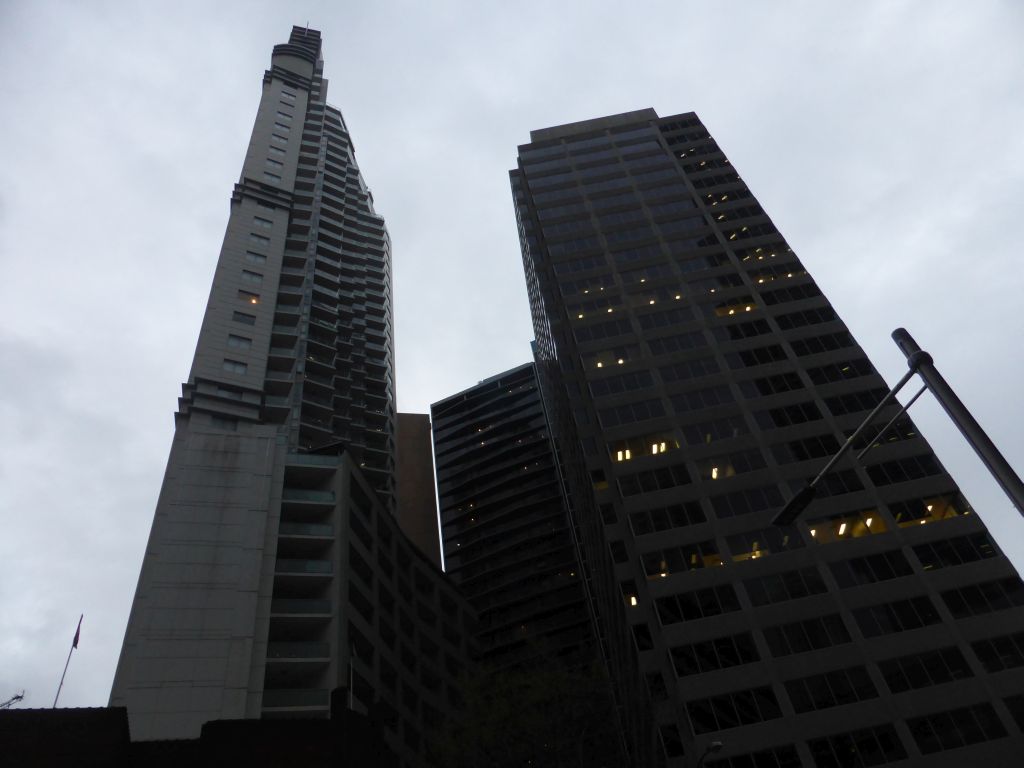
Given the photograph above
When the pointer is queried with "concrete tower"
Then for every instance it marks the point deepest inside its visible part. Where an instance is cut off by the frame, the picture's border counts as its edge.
(276, 570)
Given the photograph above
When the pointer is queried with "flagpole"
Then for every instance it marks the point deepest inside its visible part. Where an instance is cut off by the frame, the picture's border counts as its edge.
(74, 644)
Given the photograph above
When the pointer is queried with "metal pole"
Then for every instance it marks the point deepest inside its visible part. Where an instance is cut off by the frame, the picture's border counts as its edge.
(990, 456)
(796, 505)
(74, 644)
(892, 421)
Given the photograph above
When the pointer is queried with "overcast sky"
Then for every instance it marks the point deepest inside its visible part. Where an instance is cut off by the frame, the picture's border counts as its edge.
(884, 139)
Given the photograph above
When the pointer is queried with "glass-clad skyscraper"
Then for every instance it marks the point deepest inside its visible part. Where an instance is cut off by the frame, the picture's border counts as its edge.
(275, 570)
(697, 377)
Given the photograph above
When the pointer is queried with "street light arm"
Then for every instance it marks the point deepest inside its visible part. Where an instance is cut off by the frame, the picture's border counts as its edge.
(796, 505)
(976, 437)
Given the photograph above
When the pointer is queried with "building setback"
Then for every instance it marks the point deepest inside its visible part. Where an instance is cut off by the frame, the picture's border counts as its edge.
(276, 570)
(696, 377)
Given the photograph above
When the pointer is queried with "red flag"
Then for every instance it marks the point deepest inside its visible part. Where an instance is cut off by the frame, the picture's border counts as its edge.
(78, 632)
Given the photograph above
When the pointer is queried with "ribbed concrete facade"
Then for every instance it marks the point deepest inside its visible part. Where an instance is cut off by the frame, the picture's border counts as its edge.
(276, 570)
(697, 377)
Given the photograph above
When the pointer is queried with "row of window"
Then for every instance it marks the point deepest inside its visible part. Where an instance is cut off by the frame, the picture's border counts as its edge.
(821, 691)
(825, 631)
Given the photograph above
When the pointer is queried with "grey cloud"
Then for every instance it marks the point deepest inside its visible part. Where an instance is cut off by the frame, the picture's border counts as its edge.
(881, 137)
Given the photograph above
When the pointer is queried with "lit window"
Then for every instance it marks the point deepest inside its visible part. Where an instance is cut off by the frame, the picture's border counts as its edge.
(927, 510)
(850, 525)
(248, 297)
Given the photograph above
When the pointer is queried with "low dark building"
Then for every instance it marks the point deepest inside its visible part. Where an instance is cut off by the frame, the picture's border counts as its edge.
(99, 738)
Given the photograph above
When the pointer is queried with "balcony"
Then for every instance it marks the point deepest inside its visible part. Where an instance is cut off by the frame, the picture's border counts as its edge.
(296, 699)
(323, 427)
(298, 652)
(303, 494)
(311, 460)
(303, 567)
(317, 530)
(296, 606)
(280, 376)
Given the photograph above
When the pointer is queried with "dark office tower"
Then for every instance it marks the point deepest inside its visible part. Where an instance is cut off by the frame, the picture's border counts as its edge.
(508, 545)
(275, 570)
(697, 377)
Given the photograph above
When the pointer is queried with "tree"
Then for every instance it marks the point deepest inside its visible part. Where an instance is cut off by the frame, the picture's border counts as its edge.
(545, 715)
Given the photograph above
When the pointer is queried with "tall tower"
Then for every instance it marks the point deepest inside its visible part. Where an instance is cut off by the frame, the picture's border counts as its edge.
(510, 547)
(275, 570)
(696, 378)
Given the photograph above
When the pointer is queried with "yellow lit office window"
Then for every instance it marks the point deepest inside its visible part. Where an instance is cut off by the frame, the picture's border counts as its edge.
(851, 525)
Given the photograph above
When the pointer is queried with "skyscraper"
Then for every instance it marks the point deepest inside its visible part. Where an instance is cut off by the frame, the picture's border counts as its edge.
(696, 378)
(275, 570)
(506, 533)
(510, 548)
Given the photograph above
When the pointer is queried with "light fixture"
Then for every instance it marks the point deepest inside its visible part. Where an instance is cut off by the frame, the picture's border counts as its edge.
(629, 454)
(714, 473)
(600, 365)
(842, 528)
(868, 522)
(621, 361)
(632, 599)
(813, 532)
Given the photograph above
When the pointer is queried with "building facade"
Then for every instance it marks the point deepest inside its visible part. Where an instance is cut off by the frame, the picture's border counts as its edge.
(507, 541)
(696, 378)
(276, 570)
(510, 548)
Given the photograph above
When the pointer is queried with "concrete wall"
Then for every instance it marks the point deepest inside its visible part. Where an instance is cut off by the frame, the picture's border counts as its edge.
(417, 505)
(189, 647)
